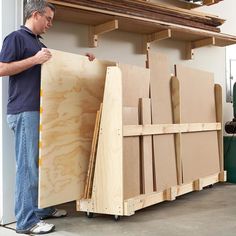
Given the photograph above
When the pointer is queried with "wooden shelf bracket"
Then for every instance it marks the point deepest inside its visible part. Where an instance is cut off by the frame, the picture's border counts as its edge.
(190, 46)
(97, 30)
(150, 38)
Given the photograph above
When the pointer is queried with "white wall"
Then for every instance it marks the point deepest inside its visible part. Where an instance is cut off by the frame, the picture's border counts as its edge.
(10, 18)
(126, 47)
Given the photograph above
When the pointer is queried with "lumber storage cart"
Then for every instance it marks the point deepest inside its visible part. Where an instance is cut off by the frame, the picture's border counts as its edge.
(109, 185)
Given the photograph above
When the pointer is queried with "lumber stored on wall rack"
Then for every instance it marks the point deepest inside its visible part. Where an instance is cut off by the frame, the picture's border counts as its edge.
(191, 5)
(151, 29)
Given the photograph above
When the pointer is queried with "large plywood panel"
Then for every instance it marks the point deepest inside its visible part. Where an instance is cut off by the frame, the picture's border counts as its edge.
(163, 145)
(200, 155)
(72, 90)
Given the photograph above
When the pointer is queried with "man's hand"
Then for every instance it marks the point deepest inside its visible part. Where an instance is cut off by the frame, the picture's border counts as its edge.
(42, 56)
(90, 56)
(16, 67)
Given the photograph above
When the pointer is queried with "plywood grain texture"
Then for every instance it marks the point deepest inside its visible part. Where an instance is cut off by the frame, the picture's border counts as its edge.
(200, 153)
(163, 145)
(71, 92)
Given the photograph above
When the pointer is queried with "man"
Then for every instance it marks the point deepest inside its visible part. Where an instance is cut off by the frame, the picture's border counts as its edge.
(21, 58)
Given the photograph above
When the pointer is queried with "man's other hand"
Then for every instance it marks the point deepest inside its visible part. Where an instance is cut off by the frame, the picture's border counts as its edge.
(90, 56)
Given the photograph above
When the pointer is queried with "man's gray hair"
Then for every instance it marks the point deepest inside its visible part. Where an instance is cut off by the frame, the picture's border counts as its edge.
(37, 5)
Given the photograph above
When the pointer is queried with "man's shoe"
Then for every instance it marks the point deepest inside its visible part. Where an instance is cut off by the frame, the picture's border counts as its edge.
(58, 213)
(40, 228)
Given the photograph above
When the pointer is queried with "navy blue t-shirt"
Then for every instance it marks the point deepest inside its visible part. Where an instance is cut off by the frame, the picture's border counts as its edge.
(24, 88)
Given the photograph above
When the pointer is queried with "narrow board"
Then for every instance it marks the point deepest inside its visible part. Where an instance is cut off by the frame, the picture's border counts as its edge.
(200, 153)
(146, 148)
(71, 92)
(131, 156)
(92, 159)
(163, 145)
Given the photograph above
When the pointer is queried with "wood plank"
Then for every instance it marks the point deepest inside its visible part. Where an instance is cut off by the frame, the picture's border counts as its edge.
(219, 118)
(164, 146)
(72, 90)
(141, 130)
(131, 156)
(107, 196)
(146, 148)
(176, 108)
(92, 159)
(198, 105)
(153, 11)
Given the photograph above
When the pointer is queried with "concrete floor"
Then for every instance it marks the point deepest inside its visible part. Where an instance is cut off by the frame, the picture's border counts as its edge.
(210, 212)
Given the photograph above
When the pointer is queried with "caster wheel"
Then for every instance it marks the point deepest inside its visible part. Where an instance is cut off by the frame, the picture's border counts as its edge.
(89, 215)
(116, 217)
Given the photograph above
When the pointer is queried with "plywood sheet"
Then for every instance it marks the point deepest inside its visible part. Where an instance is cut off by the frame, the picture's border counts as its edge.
(200, 155)
(72, 90)
(131, 157)
(136, 83)
(163, 145)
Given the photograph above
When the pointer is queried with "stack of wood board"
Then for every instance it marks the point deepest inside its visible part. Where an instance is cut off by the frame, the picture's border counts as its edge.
(72, 90)
(156, 12)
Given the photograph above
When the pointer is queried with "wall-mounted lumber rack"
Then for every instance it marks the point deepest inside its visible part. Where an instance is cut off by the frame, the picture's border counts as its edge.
(151, 29)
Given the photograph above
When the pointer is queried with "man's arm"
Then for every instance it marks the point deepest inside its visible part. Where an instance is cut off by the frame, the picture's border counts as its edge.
(16, 67)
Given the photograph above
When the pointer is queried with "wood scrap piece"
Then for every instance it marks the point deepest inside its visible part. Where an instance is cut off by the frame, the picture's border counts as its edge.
(200, 153)
(92, 160)
(146, 149)
(131, 156)
(163, 145)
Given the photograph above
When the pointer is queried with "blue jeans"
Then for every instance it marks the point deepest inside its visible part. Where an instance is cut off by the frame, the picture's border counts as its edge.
(25, 126)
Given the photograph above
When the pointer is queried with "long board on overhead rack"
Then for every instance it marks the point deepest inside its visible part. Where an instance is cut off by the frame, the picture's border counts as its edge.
(155, 12)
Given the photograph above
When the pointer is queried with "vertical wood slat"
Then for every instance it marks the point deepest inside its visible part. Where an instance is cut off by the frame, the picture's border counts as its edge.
(176, 107)
(146, 148)
(219, 118)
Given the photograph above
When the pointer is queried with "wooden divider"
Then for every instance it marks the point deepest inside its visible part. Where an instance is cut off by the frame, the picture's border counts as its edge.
(107, 195)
